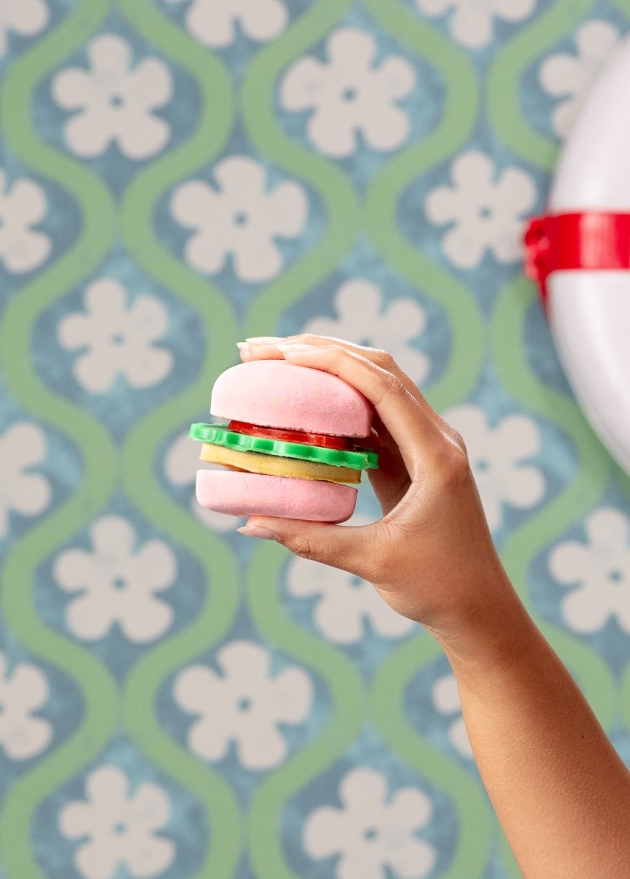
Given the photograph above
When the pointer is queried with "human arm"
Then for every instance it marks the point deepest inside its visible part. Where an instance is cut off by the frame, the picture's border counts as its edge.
(558, 787)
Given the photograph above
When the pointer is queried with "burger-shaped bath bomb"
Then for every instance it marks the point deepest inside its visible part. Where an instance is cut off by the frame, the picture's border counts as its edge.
(291, 443)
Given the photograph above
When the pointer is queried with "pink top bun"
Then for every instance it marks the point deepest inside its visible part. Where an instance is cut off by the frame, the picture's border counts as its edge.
(274, 393)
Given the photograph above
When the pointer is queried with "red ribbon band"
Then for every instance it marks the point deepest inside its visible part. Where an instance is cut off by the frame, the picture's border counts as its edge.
(587, 240)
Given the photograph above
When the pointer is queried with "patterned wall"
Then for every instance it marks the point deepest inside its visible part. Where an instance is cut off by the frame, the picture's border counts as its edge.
(177, 700)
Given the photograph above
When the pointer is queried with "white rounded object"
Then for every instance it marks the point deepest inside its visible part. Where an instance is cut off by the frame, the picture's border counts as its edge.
(589, 311)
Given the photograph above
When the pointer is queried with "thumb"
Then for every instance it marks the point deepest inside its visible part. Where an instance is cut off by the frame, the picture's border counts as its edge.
(351, 548)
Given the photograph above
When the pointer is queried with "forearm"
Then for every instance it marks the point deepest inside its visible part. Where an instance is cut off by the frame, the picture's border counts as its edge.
(560, 791)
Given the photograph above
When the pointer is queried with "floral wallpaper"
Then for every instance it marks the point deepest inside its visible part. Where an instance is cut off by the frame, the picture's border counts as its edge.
(177, 700)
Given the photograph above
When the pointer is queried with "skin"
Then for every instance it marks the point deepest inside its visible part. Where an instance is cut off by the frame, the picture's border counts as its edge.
(558, 787)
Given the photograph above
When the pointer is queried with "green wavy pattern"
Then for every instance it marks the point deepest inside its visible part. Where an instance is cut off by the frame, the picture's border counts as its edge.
(381, 203)
(342, 209)
(472, 851)
(335, 188)
(348, 694)
(89, 674)
(141, 446)
(595, 470)
(507, 69)
(465, 363)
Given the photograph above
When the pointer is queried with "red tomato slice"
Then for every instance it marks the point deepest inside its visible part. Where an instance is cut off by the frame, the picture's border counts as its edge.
(293, 436)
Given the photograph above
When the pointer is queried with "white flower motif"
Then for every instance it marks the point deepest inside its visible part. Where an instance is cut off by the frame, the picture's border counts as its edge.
(115, 101)
(601, 570)
(350, 95)
(119, 338)
(22, 446)
(244, 704)
(214, 24)
(363, 319)
(23, 206)
(240, 218)
(471, 23)
(563, 75)
(117, 584)
(180, 468)
(446, 700)
(120, 829)
(370, 832)
(497, 457)
(21, 693)
(25, 17)
(486, 215)
(345, 603)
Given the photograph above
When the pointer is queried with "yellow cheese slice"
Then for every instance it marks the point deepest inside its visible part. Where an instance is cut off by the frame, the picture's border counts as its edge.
(270, 465)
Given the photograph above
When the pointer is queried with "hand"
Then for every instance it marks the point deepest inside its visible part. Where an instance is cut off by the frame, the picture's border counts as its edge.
(431, 556)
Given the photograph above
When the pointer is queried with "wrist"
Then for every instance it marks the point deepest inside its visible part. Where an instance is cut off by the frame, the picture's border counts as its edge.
(491, 632)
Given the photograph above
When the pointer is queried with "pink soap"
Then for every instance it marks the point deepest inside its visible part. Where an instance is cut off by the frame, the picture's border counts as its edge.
(251, 494)
(274, 393)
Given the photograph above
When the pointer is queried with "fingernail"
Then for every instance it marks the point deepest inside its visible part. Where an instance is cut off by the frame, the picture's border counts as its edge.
(242, 346)
(264, 340)
(289, 348)
(258, 531)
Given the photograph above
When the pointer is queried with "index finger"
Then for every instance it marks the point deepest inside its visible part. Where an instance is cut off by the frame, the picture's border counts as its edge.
(264, 347)
(415, 433)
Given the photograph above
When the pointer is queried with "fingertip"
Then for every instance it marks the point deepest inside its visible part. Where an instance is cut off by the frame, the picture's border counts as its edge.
(251, 529)
(244, 351)
(261, 349)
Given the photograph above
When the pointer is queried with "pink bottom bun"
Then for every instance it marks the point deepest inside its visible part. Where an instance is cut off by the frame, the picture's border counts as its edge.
(251, 494)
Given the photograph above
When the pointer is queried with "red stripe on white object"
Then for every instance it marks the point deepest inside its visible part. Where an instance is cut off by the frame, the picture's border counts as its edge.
(578, 253)
(590, 240)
